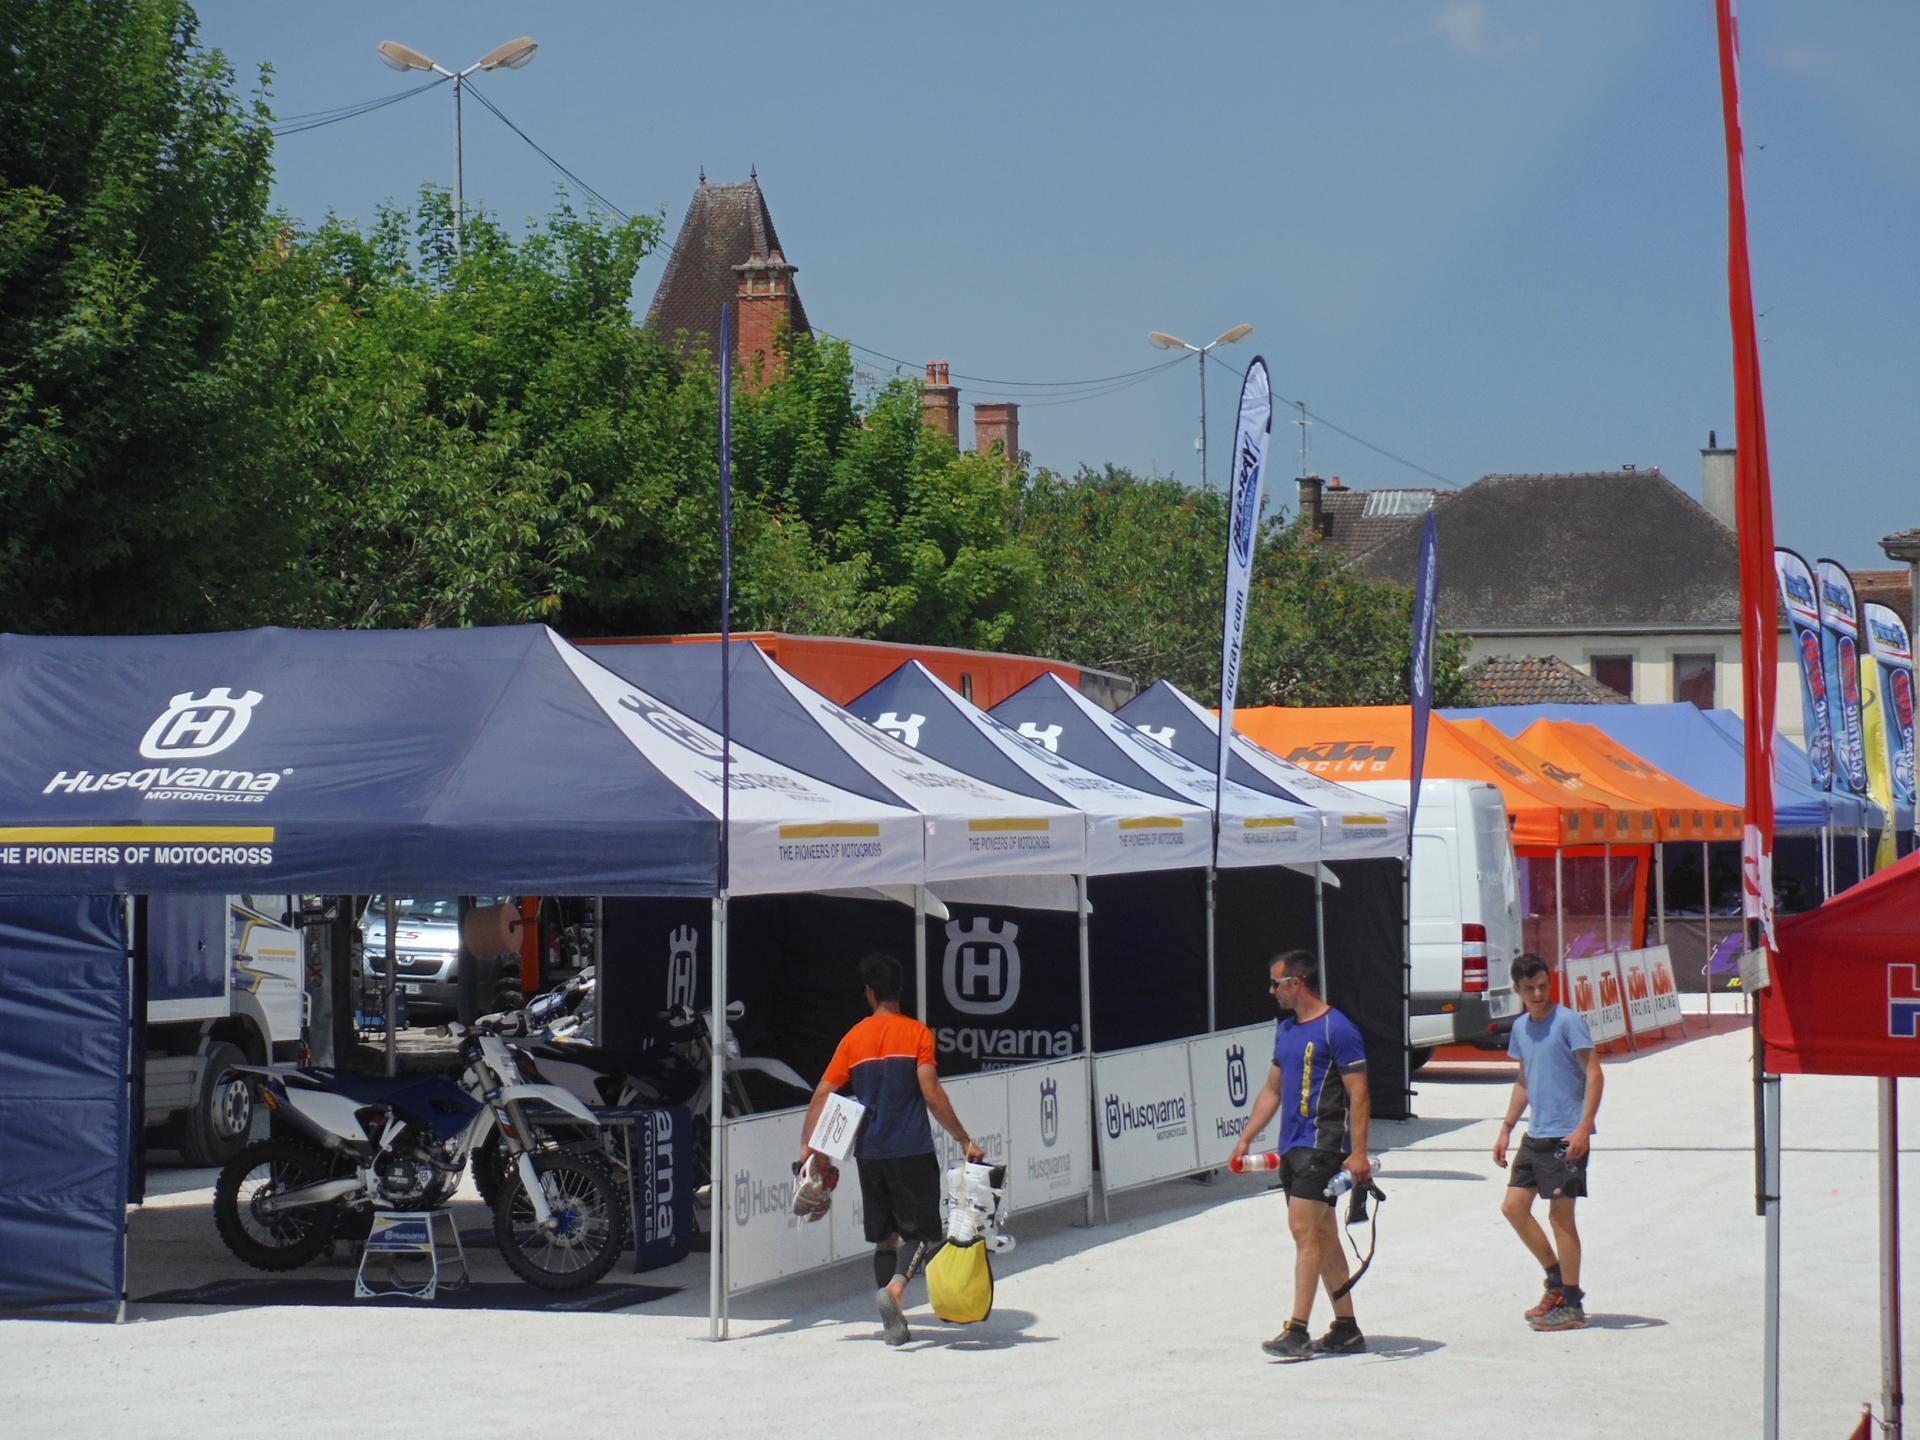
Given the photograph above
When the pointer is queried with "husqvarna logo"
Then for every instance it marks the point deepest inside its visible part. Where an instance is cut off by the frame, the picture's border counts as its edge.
(904, 728)
(1049, 1113)
(981, 969)
(1113, 1117)
(1236, 1075)
(1044, 735)
(673, 727)
(1159, 734)
(683, 949)
(196, 725)
(742, 1197)
(1903, 1002)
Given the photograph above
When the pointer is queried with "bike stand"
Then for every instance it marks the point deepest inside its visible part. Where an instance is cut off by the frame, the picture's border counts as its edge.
(403, 1236)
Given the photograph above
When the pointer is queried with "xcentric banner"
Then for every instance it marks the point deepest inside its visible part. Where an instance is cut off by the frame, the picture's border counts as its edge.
(1892, 649)
(1840, 633)
(1243, 532)
(1802, 603)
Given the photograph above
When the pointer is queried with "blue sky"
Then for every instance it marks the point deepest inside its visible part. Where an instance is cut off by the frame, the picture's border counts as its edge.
(1483, 235)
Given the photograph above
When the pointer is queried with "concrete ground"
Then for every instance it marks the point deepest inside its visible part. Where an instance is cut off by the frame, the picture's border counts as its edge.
(1148, 1324)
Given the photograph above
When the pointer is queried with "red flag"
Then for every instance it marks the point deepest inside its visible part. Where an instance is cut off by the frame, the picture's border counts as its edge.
(1864, 1430)
(1753, 508)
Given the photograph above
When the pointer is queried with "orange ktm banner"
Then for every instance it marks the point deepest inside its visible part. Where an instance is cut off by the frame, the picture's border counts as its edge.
(1373, 742)
(1622, 821)
(1683, 812)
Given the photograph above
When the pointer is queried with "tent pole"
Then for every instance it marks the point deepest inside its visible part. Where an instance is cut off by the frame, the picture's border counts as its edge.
(1320, 920)
(717, 1132)
(1770, 1200)
(920, 951)
(1086, 1016)
(1211, 874)
(1892, 1403)
(1606, 892)
(1559, 908)
(1406, 970)
(1706, 919)
(1660, 889)
(393, 985)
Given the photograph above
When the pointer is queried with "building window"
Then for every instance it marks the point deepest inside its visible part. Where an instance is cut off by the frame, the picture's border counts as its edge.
(1693, 679)
(1615, 672)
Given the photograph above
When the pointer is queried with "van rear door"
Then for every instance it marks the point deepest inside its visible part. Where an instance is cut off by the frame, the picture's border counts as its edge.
(1498, 897)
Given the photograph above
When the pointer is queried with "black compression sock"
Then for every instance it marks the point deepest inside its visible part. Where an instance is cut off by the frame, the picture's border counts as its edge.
(1345, 1322)
(1573, 1293)
(885, 1262)
(1554, 1282)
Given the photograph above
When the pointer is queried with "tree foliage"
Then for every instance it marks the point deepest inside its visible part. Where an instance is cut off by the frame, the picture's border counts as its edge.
(211, 417)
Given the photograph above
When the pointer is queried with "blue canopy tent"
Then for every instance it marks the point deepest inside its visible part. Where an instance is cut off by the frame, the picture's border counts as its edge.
(457, 761)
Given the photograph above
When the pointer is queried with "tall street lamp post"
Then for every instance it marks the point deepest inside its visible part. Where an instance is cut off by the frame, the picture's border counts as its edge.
(510, 56)
(1174, 342)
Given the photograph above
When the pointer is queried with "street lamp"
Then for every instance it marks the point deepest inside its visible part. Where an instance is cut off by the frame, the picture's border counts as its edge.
(510, 56)
(1174, 342)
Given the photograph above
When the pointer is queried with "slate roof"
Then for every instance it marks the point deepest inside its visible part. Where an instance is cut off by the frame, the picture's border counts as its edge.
(1616, 550)
(1536, 680)
(1358, 520)
(726, 226)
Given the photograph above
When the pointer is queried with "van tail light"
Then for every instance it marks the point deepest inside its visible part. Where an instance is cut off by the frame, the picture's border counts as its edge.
(1473, 959)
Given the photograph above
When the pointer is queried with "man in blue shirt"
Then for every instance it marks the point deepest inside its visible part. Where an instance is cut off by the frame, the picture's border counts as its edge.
(1318, 1083)
(1560, 1078)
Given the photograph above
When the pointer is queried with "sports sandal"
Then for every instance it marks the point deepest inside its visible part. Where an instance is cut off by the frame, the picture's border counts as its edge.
(891, 1318)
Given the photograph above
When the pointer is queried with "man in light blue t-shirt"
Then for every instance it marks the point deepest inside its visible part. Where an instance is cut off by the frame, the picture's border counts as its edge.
(1560, 1078)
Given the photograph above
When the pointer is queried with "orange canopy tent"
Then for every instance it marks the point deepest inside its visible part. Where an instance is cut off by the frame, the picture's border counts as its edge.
(1681, 812)
(1624, 820)
(1374, 742)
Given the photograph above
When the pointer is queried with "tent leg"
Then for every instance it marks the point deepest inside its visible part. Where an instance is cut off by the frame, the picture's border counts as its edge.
(1406, 971)
(1706, 919)
(1211, 874)
(1891, 1400)
(920, 950)
(1320, 922)
(1770, 1199)
(1606, 892)
(1086, 1014)
(717, 1134)
(393, 986)
(1559, 907)
(1660, 891)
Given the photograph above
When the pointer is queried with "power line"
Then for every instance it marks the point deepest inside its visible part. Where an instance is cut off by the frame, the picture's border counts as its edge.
(591, 193)
(315, 119)
(1125, 375)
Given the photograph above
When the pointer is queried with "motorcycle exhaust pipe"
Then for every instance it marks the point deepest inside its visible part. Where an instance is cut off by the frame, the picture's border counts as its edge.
(316, 1194)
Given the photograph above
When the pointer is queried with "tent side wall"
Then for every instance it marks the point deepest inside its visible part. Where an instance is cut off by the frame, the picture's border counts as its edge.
(66, 1113)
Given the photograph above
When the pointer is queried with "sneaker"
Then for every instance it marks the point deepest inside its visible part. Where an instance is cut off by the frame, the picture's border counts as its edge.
(1289, 1345)
(1339, 1340)
(1565, 1316)
(1550, 1299)
(891, 1319)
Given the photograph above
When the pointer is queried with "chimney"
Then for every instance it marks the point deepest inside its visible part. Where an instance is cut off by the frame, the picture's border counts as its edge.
(763, 305)
(1310, 503)
(997, 424)
(1717, 482)
(940, 402)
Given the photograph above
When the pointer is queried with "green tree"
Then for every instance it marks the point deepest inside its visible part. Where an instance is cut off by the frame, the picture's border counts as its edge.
(1134, 581)
(133, 202)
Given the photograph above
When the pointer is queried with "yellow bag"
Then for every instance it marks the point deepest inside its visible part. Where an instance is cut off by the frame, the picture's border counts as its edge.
(960, 1283)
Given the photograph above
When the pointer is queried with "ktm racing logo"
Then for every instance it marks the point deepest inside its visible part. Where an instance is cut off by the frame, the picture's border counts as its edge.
(1343, 757)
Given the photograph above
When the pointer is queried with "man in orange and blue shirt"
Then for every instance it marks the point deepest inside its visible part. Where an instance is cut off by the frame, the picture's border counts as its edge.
(888, 1060)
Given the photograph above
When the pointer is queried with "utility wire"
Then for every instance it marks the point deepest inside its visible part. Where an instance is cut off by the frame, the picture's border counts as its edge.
(315, 119)
(1019, 384)
(588, 190)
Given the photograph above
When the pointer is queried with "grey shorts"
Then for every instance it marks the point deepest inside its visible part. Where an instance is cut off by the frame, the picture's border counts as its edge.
(1541, 1165)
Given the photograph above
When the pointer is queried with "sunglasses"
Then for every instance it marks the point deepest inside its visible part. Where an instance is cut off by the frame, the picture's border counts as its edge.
(1284, 979)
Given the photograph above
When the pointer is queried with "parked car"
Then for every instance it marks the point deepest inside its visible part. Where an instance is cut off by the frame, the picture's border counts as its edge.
(428, 954)
(1466, 914)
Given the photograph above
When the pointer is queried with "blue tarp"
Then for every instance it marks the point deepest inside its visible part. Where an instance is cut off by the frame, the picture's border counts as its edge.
(441, 761)
(66, 1116)
(1792, 759)
(1682, 740)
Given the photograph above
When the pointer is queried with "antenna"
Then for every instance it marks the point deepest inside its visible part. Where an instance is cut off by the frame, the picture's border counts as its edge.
(1303, 422)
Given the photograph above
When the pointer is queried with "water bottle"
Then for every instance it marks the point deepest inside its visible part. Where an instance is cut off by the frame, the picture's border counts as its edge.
(1249, 1163)
(1339, 1185)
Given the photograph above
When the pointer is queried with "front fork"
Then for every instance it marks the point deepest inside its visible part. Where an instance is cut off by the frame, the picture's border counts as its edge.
(507, 1118)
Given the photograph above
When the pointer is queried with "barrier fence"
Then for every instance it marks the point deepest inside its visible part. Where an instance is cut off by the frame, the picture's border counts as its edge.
(1623, 995)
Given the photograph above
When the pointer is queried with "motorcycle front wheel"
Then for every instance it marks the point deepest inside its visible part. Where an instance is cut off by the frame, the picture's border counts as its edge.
(285, 1240)
(587, 1230)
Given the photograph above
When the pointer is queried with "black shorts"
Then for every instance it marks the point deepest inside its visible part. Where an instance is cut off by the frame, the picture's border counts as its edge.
(1304, 1173)
(900, 1196)
(1541, 1165)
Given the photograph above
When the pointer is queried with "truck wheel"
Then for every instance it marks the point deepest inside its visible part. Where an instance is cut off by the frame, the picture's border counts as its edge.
(1418, 1056)
(216, 1128)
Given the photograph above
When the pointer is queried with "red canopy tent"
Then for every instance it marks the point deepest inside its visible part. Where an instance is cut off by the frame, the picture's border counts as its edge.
(1845, 998)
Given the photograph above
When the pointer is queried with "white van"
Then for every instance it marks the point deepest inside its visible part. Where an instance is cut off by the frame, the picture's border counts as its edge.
(1466, 914)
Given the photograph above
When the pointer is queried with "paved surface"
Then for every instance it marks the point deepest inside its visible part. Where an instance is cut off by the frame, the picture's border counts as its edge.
(1146, 1325)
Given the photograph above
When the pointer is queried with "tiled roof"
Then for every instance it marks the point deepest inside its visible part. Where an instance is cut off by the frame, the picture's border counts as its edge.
(726, 226)
(1358, 520)
(1536, 680)
(1905, 544)
(1891, 588)
(1595, 551)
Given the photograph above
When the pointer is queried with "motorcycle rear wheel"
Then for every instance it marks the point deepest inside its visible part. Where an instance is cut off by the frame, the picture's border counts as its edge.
(589, 1223)
(285, 1241)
